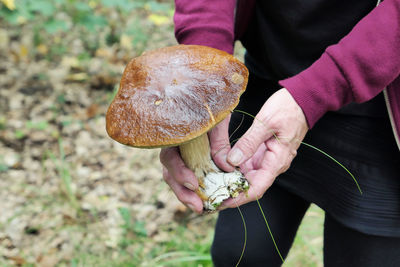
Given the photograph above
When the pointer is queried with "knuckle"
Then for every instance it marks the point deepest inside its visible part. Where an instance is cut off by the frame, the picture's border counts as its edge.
(173, 174)
(246, 145)
(285, 168)
(293, 153)
(219, 145)
(273, 122)
(170, 158)
(219, 155)
(164, 155)
(181, 196)
(179, 175)
(288, 162)
(166, 175)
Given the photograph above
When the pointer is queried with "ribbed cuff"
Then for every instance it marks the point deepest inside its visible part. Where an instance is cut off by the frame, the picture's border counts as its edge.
(211, 37)
(319, 88)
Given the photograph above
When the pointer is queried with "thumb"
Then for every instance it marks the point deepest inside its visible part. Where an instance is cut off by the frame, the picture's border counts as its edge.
(248, 144)
(220, 145)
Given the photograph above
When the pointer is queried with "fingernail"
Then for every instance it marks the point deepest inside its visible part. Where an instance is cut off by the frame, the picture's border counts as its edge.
(189, 186)
(235, 156)
(225, 157)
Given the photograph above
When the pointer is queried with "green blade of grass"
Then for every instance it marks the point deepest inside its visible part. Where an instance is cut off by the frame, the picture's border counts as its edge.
(337, 162)
(193, 258)
(245, 235)
(173, 254)
(270, 232)
(313, 147)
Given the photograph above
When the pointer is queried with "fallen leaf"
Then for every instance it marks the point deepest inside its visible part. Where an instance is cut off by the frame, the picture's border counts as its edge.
(92, 111)
(4, 39)
(47, 260)
(70, 62)
(42, 49)
(104, 53)
(159, 20)
(78, 77)
(17, 260)
(126, 42)
(9, 4)
(23, 52)
(21, 20)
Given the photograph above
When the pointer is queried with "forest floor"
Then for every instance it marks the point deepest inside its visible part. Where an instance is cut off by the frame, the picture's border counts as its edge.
(69, 195)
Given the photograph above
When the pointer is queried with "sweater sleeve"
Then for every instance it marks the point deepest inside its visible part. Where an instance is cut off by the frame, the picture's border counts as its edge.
(356, 69)
(205, 22)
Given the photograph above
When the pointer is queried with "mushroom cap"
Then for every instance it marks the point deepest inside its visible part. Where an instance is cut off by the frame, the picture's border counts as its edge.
(172, 95)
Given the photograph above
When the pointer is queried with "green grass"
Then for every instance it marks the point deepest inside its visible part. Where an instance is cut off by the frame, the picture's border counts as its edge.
(64, 173)
(307, 247)
(184, 249)
(187, 249)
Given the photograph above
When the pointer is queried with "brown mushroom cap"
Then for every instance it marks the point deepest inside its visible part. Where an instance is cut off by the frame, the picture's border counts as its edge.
(174, 94)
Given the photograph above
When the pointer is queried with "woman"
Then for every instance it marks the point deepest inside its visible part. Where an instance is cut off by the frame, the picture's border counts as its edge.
(319, 65)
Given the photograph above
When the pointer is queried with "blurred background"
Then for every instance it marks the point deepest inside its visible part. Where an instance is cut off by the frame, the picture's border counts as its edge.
(69, 195)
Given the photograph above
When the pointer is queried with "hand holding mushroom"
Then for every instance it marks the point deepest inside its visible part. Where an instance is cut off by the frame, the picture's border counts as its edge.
(182, 180)
(172, 97)
(269, 145)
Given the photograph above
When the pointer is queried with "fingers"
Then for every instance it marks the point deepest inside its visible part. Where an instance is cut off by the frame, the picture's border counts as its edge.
(255, 161)
(269, 146)
(259, 181)
(220, 145)
(279, 117)
(181, 180)
(184, 195)
(261, 174)
(248, 144)
(172, 160)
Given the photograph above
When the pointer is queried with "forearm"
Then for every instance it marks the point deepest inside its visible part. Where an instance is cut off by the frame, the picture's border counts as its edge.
(205, 22)
(354, 70)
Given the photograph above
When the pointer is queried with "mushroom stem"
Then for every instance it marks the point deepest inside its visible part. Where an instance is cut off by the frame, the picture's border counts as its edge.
(214, 185)
(197, 157)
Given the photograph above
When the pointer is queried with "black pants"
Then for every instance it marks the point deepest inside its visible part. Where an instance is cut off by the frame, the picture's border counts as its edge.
(342, 246)
(367, 146)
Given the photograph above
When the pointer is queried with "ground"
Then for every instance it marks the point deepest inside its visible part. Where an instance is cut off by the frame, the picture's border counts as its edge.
(69, 195)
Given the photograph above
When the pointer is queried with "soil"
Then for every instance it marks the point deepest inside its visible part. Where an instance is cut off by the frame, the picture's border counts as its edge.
(64, 183)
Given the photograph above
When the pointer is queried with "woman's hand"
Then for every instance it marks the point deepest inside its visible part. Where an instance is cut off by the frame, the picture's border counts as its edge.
(269, 145)
(181, 179)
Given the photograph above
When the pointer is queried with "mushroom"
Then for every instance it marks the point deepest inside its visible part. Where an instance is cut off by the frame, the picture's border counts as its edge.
(172, 97)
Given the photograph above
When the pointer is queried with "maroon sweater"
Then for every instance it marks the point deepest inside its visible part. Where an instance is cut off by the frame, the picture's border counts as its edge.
(360, 66)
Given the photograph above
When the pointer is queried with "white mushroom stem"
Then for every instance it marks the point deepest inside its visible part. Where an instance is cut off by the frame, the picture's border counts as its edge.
(197, 156)
(214, 185)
